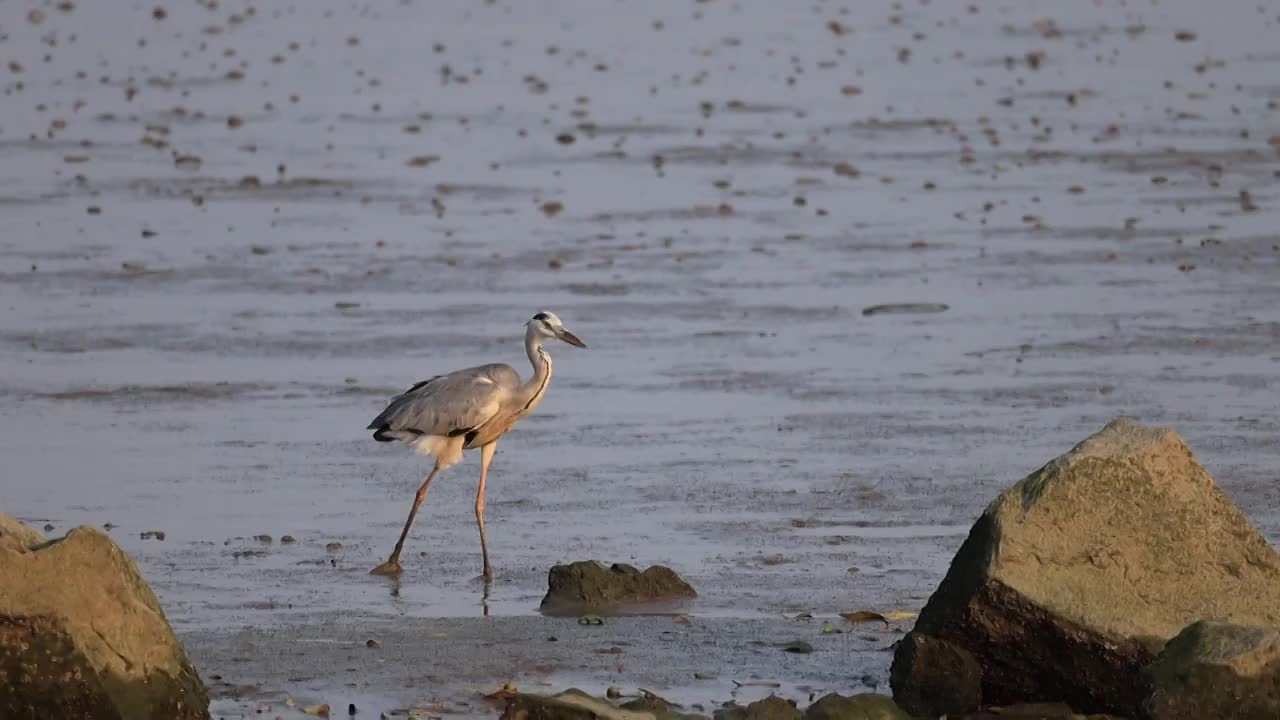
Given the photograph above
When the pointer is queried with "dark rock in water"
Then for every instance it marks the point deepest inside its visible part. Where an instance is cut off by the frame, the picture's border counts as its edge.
(905, 309)
(867, 706)
(83, 636)
(770, 708)
(589, 585)
(574, 704)
(1072, 580)
(929, 672)
(1216, 670)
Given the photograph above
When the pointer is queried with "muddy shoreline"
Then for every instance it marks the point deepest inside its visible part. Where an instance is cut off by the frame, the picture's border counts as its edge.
(232, 234)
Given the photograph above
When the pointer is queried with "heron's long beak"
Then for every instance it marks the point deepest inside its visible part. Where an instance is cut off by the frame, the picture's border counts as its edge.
(570, 338)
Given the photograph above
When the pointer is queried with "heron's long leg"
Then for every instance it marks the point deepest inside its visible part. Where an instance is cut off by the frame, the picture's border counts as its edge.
(486, 457)
(392, 565)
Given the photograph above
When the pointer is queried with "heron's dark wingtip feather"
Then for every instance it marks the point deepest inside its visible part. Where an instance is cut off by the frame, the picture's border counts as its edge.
(380, 434)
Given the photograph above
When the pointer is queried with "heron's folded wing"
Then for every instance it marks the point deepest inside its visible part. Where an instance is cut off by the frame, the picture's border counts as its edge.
(447, 405)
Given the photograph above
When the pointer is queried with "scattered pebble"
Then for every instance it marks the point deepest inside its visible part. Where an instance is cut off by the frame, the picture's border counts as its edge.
(153, 535)
(371, 643)
(333, 547)
(48, 527)
(265, 539)
(287, 540)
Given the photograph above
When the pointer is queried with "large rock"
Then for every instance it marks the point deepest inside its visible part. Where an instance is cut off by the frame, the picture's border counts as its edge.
(1217, 670)
(83, 637)
(866, 706)
(1034, 711)
(1073, 579)
(588, 585)
(929, 672)
(17, 534)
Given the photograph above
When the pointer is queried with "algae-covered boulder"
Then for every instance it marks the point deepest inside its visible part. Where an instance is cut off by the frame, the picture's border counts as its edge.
(83, 637)
(1072, 580)
(770, 708)
(866, 706)
(1217, 670)
(572, 704)
(589, 585)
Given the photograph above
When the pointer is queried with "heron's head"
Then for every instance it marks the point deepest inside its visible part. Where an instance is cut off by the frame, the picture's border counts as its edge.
(546, 324)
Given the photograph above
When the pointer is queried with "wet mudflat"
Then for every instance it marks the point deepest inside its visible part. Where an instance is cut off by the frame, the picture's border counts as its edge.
(846, 271)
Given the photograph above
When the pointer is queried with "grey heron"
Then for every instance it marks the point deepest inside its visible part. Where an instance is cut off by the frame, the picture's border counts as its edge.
(467, 409)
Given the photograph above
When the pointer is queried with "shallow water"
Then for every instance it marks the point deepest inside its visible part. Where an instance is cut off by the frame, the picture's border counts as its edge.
(200, 313)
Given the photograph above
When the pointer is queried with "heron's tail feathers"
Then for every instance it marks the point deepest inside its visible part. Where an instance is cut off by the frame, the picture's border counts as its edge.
(446, 450)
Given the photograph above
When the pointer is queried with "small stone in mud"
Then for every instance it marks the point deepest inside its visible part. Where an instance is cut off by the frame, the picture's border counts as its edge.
(613, 692)
(234, 121)
(148, 233)
(565, 138)
(109, 526)
(351, 708)
(1184, 36)
(153, 535)
(48, 527)
(371, 643)
(333, 547)
(850, 90)
(552, 208)
(159, 13)
(555, 264)
(94, 210)
(422, 160)
(263, 538)
(287, 540)
(845, 169)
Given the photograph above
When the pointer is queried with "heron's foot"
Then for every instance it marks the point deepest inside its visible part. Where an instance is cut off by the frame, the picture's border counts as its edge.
(390, 567)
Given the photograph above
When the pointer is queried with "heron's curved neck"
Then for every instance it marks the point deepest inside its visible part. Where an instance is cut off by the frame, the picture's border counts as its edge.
(532, 391)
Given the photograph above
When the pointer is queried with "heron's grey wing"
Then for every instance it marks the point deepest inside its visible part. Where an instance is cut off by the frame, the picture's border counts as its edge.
(452, 404)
